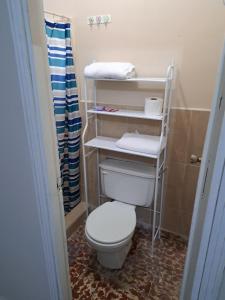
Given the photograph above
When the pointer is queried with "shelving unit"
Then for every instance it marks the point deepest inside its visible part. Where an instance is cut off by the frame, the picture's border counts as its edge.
(108, 143)
(126, 113)
(160, 80)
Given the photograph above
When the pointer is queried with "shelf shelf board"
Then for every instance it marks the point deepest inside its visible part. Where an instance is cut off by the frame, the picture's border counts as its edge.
(108, 143)
(127, 113)
(160, 80)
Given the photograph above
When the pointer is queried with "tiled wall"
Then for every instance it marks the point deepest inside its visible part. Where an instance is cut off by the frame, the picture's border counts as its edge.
(186, 137)
(187, 134)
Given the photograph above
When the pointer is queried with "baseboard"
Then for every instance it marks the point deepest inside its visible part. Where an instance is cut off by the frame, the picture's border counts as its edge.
(176, 233)
(144, 225)
(147, 226)
(74, 218)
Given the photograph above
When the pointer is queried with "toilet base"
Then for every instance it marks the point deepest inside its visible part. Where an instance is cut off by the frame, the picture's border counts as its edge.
(115, 259)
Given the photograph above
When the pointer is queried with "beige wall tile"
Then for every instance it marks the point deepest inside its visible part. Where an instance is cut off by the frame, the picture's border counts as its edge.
(112, 126)
(177, 146)
(144, 126)
(91, 129)
(180, 119)
(199, 122)
(172, 221)
(173, 198)
(176, 173)
(187, 135)
(104, 154)
(143, 215)
(189, 189)
(92, 180)
(186, 224)
(179, 136)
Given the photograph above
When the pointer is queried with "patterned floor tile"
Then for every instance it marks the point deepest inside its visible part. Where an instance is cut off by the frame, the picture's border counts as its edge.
(142, 276)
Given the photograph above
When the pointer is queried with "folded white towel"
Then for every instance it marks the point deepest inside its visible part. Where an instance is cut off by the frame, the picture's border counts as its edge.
(110, 70)
(149, 144)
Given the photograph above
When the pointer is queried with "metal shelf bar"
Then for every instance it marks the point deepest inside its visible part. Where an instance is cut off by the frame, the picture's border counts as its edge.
(161, 80)
(127, 114)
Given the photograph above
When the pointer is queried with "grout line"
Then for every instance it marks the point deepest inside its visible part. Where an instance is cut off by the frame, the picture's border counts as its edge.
(191, 108)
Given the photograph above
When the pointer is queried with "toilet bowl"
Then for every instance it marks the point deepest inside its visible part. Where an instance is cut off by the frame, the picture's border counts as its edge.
(110, 227)
(109, 230)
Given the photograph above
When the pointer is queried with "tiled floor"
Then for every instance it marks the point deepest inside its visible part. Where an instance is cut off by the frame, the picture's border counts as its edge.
(142, 277)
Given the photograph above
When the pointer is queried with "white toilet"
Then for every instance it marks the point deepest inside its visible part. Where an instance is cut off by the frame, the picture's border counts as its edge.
(110, 227)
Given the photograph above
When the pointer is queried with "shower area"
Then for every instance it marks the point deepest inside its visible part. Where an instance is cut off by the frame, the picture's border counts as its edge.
(66, 106)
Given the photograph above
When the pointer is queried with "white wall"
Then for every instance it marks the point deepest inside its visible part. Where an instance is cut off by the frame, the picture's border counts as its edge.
(149, 33)
(23, 273)
(46, 108)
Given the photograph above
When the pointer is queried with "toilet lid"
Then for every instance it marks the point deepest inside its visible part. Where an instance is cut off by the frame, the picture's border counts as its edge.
(111, 222)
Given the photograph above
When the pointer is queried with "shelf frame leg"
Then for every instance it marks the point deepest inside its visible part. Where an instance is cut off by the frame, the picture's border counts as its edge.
(84, 151)
(155, 204)
(162, 190)
(97, 153)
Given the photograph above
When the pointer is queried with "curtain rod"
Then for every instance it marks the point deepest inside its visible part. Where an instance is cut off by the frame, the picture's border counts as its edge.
(53, 14)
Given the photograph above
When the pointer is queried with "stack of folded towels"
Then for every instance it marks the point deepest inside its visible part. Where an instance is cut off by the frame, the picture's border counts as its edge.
(149, 144)
(110, 70)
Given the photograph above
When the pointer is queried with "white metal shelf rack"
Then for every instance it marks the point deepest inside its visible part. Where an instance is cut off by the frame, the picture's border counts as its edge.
(107, 143)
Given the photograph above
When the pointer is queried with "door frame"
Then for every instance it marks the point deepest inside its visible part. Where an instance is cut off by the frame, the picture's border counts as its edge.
(44, 155)
(205, 201)
(212, 271)
(41, 133)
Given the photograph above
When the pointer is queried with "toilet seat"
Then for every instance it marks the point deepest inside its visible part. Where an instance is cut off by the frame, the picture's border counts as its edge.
(106, 247)
(111, 223)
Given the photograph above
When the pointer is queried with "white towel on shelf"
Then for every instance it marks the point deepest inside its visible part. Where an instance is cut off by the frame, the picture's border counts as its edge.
(110, 70)
(149, 144)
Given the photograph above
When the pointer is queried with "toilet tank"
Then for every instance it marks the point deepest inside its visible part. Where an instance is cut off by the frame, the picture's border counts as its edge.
(128, 181)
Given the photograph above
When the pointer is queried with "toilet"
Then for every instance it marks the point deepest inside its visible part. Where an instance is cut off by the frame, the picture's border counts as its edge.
(110, 227)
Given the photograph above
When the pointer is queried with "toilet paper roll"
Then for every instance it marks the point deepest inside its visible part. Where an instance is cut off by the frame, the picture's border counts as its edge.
(153, 106)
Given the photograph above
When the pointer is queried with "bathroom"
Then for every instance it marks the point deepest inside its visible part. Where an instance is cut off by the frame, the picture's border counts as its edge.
(189, 36)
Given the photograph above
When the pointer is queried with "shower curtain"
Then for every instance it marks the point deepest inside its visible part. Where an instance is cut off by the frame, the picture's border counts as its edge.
(66, 109)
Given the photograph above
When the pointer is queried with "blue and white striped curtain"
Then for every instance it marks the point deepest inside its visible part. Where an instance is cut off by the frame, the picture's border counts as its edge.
(66, 109)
